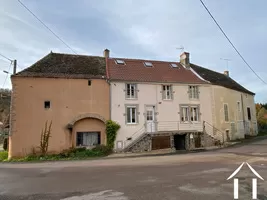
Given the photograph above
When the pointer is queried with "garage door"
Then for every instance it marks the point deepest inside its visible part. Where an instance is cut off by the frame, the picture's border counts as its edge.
(161, 142)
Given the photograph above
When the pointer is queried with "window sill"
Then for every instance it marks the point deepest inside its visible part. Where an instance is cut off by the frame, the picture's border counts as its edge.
(131, 124)
(167, 99)
(131, 98)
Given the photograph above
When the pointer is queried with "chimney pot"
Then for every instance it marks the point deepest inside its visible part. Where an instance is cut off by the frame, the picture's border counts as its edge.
(106, 53)
(226, 73)
(184, 59)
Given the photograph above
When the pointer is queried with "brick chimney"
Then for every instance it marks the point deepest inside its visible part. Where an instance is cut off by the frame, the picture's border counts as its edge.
(226, 73)
(106, 53)
(184, 60)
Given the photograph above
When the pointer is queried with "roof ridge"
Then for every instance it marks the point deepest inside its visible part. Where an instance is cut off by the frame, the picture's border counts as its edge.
(136, 59)
(69, 54)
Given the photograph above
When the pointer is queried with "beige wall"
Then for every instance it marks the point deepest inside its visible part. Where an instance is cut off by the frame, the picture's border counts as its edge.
(231, 97)
(69, 98)
(168, 116)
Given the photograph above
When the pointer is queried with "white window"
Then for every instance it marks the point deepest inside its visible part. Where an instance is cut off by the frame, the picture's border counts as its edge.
(194, 113)
(131, 115)
(184, 113)
(148, 64)
(87, 138)
(226, 112)
(131, 92)
(166, 92)
(193, 92)
(119, 62)
(174, 65)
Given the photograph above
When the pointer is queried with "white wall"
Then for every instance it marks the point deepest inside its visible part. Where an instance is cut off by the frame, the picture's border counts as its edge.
(167, 110)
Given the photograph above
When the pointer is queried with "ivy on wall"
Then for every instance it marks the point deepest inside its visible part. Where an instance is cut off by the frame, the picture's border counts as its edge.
(111, 131)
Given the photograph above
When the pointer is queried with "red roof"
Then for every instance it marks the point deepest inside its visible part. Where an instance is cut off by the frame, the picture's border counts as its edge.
(135, 70)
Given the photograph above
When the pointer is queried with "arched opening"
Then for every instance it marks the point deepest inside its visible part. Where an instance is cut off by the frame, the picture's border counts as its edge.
(88, 130)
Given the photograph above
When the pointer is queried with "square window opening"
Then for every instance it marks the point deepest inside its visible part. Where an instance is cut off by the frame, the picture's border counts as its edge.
(89, 82)
(47, 104)
(119, 62)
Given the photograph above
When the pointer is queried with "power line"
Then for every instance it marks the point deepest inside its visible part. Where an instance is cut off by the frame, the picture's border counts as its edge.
(46, 26)
(231, 42)
(5, 57)
(7, 74)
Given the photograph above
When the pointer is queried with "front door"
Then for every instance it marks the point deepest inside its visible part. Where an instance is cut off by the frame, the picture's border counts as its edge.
(150, 119)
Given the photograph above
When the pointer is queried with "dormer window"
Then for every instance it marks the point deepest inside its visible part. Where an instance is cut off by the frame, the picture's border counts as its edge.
(174, 65)
(148, 64)
(119, 62)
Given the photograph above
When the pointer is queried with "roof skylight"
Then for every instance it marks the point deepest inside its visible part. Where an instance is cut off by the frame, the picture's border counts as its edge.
(148, 64)
(120, 62)
(174, 65)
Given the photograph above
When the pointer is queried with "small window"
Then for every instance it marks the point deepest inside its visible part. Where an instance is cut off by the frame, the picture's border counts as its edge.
(89, 82)
(166, 92)
(131, 92)
(47, 104)
(226, 112)
(249, 113)
(87, 138)
(148, 64)
(120, 62)
(131, 115)
(193, 92)
(174, 65)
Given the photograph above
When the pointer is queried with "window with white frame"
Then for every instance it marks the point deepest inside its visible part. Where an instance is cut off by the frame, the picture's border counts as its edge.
(131, 91)
(184, 113)
(190, 113)
(226, 112)
(193, 92)
(131, 114)
(194, 113)
(166, 92)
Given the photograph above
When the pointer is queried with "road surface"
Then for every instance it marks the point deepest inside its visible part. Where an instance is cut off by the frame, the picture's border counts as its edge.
(200, 176)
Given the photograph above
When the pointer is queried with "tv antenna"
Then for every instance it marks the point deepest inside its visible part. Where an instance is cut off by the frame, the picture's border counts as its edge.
(227, 60)
(181, 48)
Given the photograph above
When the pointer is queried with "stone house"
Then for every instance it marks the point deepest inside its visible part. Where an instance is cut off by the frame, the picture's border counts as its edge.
(69, 90)
(158, 104)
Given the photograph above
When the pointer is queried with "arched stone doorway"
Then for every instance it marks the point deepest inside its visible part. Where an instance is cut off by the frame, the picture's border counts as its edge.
(87, 130)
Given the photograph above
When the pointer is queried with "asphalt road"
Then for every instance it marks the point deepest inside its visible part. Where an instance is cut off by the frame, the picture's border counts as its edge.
(186, 177)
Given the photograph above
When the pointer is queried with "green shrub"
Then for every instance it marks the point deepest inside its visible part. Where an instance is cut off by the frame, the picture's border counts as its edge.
(111, 131)
(3, 155)
(104, 150)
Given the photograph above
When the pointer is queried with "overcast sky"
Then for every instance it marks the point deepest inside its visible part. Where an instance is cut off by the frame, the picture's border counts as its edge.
(149, 29)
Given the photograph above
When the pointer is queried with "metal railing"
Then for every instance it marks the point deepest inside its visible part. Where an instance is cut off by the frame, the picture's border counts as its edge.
(209, 129)
(134, 137)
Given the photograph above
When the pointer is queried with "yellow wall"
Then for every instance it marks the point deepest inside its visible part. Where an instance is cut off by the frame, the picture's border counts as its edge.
(223, 96)
(69, 98)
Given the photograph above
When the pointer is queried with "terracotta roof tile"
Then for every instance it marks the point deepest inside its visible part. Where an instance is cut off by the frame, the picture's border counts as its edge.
(134, 70)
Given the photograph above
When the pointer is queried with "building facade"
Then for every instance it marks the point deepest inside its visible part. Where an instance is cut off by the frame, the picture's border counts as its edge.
(73, 96)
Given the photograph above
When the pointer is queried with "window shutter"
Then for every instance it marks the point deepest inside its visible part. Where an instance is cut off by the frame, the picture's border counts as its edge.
(162, 92)
(171, 91)
(189, 92)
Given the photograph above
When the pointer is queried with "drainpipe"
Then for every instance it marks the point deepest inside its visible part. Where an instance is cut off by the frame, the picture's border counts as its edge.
(243, 115)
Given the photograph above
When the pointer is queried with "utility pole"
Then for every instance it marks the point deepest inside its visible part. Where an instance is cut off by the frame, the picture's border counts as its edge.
(14, 66)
